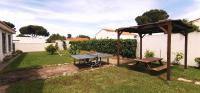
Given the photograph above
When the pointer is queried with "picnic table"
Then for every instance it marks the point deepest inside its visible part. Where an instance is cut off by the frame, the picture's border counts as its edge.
(148, 61)
(91, 56)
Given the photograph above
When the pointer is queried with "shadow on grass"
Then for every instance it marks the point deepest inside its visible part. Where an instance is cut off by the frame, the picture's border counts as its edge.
(18, 79)
(85, 66)
(141, 68)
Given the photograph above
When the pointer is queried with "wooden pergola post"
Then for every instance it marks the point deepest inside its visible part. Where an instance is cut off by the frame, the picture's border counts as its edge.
(118, 47)
(169, 31)
(186, 48)
(140, 35)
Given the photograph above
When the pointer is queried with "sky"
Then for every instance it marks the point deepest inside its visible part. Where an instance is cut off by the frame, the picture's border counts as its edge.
(87, 17)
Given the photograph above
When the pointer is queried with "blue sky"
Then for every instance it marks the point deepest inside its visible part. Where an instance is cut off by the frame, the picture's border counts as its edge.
(89, 16)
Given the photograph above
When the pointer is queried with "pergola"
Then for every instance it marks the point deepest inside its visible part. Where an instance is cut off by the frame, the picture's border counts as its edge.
(164, 26)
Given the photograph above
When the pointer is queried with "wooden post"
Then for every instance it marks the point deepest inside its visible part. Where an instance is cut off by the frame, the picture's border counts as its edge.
(140, 35)
(169, 31)
(186, 48)
(118, 47)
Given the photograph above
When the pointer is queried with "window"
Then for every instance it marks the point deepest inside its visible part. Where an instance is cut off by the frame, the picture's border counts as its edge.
(4, 42)
(9, 43)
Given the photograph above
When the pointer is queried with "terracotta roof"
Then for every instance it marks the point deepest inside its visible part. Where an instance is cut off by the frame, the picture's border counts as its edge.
(77, 39)
(6, 28)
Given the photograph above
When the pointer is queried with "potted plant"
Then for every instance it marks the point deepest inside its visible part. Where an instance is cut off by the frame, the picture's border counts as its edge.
(197, 59)
(178, 58)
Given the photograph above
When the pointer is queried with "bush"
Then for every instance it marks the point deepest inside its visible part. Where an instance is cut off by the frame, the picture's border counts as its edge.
(197, 59)
(19, 51)
(56, 46)
(179, 57)
(74, 50)
(64, 45)
(128, 46)
(7, 58)
(51, 49)
(149, 53)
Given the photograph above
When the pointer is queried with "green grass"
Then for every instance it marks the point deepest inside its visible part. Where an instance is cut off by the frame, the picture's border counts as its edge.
(190, 73)
(37, 59)
(107, 80)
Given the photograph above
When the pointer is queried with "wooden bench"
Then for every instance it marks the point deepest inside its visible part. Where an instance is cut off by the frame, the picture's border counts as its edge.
(163, 67)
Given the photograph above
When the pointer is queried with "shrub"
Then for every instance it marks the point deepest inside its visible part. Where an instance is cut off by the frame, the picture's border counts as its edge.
(149, 53)
(197, 59)
(7, 58)
(19, 51)
(179, 57)
(64, 45)
(51, 49)
(74, 50)
(127, 47)
(56, 46)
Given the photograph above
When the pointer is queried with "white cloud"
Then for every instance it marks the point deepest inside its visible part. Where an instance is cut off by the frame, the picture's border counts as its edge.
(101, 13)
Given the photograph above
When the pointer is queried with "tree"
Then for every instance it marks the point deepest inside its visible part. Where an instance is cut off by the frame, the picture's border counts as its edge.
(83, 36)
(69, 36)
(194, 27)
(11, 25)
(151, 16)
(54, 37)
(34, 30)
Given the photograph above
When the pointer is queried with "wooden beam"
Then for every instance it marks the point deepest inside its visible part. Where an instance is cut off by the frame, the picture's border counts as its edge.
(141, 36)
(118, 47)
(186, 48)
(163, 29)
(169, 28)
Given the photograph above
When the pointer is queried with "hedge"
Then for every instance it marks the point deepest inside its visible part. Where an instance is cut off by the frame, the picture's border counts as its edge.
(128, 46)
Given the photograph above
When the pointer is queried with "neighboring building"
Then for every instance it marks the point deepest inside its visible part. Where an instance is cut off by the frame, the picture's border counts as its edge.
(6, 47)
(111, 34)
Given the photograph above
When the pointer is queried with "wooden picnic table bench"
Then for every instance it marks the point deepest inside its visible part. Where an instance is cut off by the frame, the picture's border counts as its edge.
(148, 61)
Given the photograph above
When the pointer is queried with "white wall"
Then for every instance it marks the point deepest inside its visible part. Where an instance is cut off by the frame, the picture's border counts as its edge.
(158, 44)
(31, 47)
(111, 35)
(30, 39)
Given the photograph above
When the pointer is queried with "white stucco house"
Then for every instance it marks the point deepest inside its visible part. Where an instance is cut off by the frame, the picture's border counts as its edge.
(111, 34)
(6, 47)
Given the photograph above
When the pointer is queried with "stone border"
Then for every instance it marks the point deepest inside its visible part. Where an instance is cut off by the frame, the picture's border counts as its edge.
(189, 81)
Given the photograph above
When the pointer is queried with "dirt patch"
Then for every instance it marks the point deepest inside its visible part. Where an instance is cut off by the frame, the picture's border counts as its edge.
(34, 74)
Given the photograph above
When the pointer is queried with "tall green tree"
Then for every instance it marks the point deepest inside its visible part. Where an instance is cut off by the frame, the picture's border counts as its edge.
(34, 30)
(69, 36)
(54, 37)
(11, 25)
(151, 16)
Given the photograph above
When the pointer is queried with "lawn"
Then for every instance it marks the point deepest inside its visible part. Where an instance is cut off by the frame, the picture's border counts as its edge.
(37, 59)
(109, 80)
